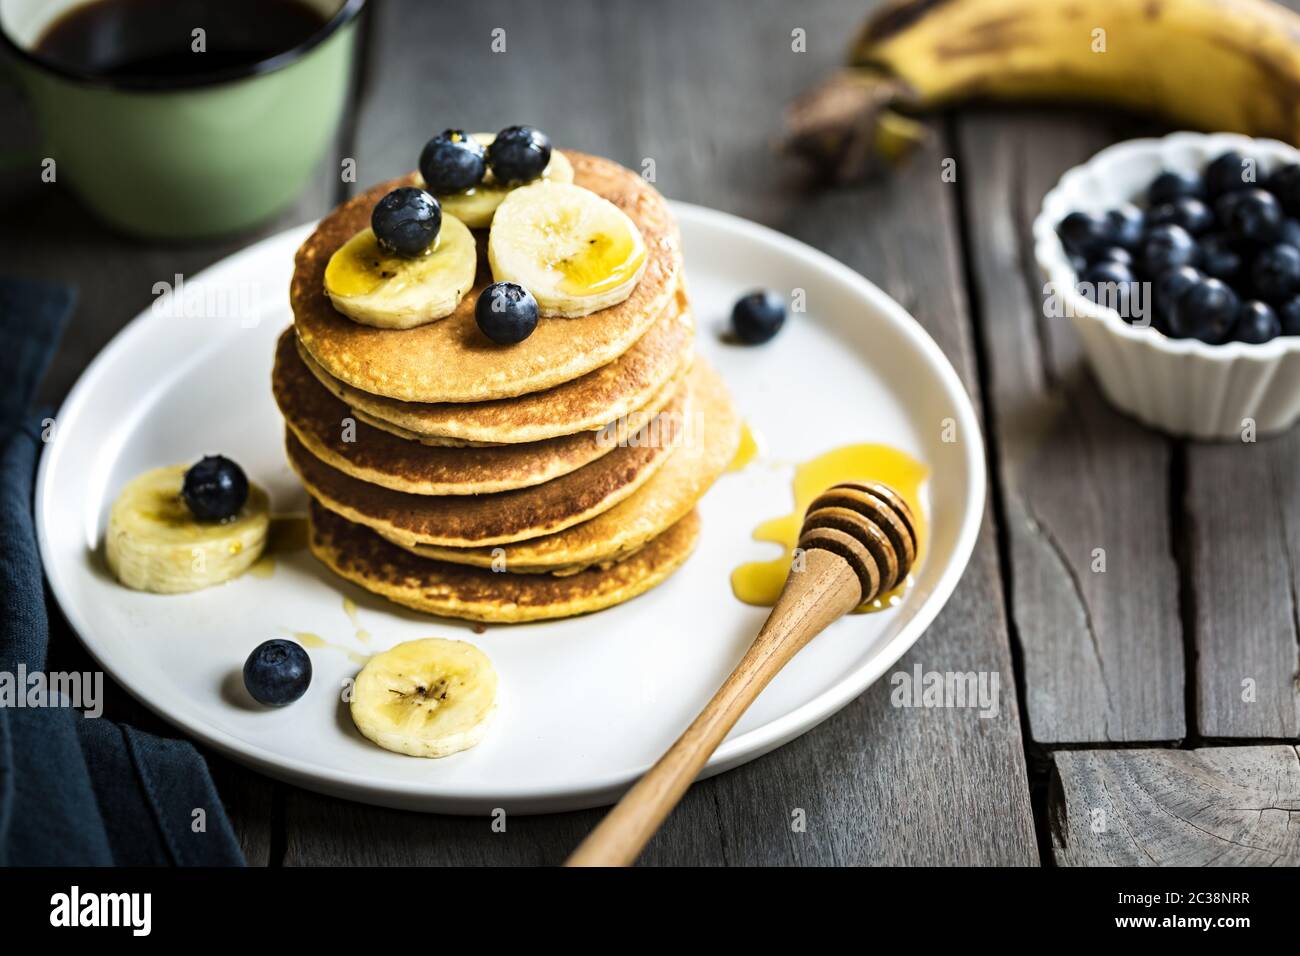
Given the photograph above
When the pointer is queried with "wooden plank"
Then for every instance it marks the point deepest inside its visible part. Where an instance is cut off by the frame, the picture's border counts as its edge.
(876, 783)
(1080, 482)
(1219, 806)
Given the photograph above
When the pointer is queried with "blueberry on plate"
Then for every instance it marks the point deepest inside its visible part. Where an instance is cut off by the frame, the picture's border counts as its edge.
(518, 154)
(757, 316)
(1226, 173)
(215, 488)
(1206, 311)
(452, 162)
(1123, 226)
(1167, 247)
(1218, 257)
(406, 221)
(1188, 212)
(277, 672)
(1284, 183)
(1288, 313)
(506, 313)
(1252, 215)
(1084, 233)
(1256, 323)
(1275, 273)
(1174, 184)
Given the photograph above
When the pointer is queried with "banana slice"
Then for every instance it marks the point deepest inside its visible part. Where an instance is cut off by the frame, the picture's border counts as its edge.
(426, 698)
(155, 544)
(375, 288)
(476, 206)
(573, 250)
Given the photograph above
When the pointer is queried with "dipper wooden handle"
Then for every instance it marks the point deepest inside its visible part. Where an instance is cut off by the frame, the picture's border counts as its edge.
(858, 540)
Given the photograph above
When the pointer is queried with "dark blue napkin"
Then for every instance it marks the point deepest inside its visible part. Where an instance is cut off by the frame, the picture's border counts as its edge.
(75, 791)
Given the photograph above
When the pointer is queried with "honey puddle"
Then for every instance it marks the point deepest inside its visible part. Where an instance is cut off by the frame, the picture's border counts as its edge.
(760, 582)
(350, 609)
(308, 639)
(287, 533)
(747, 451)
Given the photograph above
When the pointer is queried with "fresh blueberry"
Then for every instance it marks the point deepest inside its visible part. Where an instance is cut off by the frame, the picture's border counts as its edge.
(1188, 212)
(277, 672)
(1169, 287)
(1256, 323)
(1226, 173)
(1290, 233)
(1284, 183)
(757, 316)
(1084, 233)
(518, 154)
(406, 221)
(215, 488)
(1123, 226)
(1251, 216)
(1288, 314)
(452, 161)
(1275, 273)
(1167, 247)
(506, 312)
(1114, 254)
(1174, 184)
(1218, 258)
(1206, 311)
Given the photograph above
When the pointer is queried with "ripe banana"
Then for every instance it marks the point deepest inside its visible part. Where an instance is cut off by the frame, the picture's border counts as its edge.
(372, 287)
(576, 252)
(476, 206)
(426, 698)
(155, 544)
(1209, 64)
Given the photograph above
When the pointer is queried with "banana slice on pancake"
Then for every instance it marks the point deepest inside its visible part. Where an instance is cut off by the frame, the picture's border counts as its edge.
(426, 698)
(476, 206)
(576, 252)
(387, 291)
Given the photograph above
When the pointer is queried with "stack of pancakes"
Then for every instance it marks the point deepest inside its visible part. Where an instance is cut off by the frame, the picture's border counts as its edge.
(505, 483)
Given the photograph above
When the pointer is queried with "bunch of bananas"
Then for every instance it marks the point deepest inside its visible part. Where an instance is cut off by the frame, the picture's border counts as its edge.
(1231, 65)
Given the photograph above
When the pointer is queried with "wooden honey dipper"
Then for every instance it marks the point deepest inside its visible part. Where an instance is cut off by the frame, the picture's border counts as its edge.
(858, 541)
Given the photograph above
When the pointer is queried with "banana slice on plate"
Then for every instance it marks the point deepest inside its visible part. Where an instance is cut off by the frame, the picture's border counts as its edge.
(576, 252)
(374, 287)
(476, 206)
(426, 698)
(155, 544)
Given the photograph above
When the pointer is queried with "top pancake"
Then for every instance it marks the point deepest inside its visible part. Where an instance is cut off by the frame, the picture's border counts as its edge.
(450, 360)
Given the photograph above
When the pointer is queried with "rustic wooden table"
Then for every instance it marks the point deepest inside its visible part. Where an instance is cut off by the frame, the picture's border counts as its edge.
(1150, 712)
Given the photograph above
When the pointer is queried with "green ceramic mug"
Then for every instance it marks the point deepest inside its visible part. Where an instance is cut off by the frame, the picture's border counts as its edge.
(205, 156)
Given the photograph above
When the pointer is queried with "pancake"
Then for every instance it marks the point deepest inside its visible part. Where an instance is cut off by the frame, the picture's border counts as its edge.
(361, 556)
(369, 454)
(587, 402)
(450, 360)
(473, 520)
(669, 495)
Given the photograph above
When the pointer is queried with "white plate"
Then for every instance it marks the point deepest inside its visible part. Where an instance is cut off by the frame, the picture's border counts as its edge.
(586, 704)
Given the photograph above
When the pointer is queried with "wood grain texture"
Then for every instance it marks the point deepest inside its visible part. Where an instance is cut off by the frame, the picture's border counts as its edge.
(1103, 653)
(1221, 806)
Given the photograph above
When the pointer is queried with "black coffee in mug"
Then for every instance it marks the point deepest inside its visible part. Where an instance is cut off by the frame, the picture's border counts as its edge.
(136, 40)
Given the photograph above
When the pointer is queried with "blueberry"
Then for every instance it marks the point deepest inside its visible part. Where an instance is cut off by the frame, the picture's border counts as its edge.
(1218, 258)
(1288, 314)
(1169, 287)
(1123, 226)
(1275, 273)
(506, 312)
(1284, 183)
(452, 161)
(1256, 323)
(277, 672)
(1252, 216)
(757, 316)
(1167, 247)
(215, 488)
(1206, 311)
(1114, 254)
(1084, 233)
(1290, 233)
(406, 221)
(1174, 184)
(518, 154)
(1192, 214)
(1226, 173)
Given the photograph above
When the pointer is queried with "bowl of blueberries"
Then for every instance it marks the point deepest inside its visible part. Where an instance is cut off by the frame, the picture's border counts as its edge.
(1178, 262)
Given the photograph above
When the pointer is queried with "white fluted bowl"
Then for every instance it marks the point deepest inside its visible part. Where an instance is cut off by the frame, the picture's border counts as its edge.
(1182, 386)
